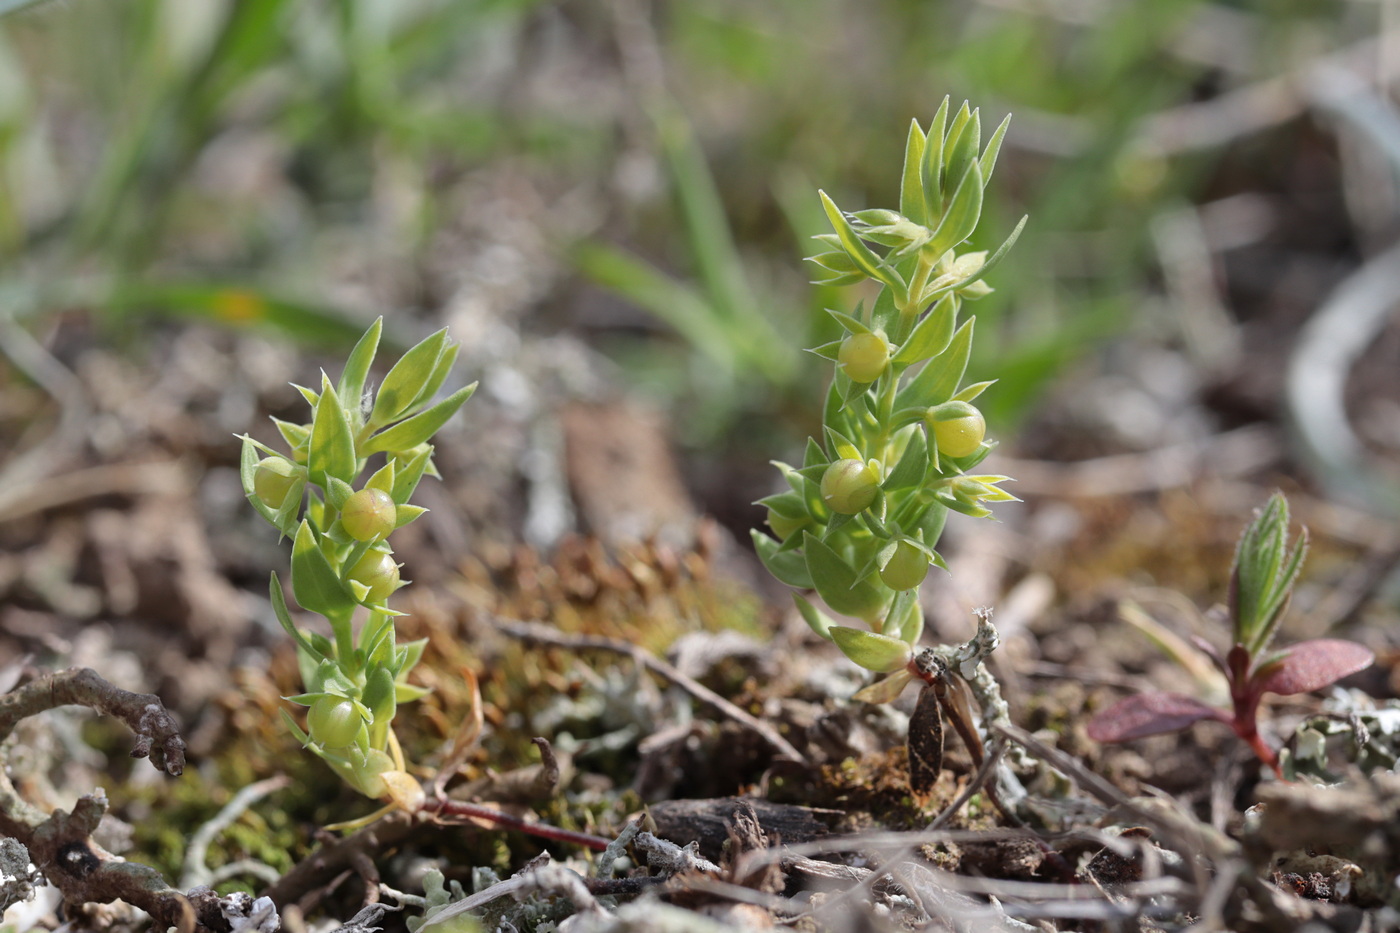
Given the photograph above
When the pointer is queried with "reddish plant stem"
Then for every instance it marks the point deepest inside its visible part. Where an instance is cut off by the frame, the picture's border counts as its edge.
(460, 808)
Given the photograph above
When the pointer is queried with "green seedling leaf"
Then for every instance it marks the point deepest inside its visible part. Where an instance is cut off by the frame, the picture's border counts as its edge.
(879, 653)
(836, 581)
(819, 621)
(932, 334)
(789, 566)
(332, 450)
(352, 379)
(911, 190)
(938, 380)
(406, 380)
(418, 429)
(315, 583)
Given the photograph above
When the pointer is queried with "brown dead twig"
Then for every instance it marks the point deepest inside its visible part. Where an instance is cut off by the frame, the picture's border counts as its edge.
(545, 635)
(60, 843)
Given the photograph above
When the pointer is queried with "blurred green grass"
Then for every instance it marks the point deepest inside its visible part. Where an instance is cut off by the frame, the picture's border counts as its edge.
(160, 156)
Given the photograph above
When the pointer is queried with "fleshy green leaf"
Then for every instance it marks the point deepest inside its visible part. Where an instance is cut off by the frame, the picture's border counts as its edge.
(988, 162)
(284, 618)
(911, 192)
(879, 653)
(837, 582)
(407, 475)
(332, 450)
(315, 583)
(964, 212)
(352, 378)
(788, 566)
(938, 380)
(819, 621)
(860, 254)
(932, 334)
(406, 379)
(421, 427)
(931, 168)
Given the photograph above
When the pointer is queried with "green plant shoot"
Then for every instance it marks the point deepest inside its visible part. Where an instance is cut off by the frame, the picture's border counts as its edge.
(342, 562)
(863, 513)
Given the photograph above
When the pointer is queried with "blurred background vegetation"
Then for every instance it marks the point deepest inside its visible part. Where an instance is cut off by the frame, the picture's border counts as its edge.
(640, 175)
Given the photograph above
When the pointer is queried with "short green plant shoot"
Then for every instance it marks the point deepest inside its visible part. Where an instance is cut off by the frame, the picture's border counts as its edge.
(342, 563)
(861, 518)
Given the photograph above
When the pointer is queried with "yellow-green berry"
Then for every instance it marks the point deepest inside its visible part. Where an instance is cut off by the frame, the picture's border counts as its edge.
(863, 357)
(369, 515)
(906, 568)
(333, 722)
(962, 433)
(849, 486)
(273, 479)
(377, 571)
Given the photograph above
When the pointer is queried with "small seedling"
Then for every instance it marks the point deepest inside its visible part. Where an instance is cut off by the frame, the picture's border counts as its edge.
(862, 516)
(341, 559)
(1261, 583)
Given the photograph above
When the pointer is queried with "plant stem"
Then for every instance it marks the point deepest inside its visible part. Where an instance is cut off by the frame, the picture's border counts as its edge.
(461, 808)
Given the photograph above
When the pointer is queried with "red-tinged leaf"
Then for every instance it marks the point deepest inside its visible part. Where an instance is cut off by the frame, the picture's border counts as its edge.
(1312, 665)
(1150, 714)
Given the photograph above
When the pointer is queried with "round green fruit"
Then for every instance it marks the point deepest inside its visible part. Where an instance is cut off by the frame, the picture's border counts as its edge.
(377, 571)
(863, 357)
(906, 568)
(369, 515)
(960, 436)
(273, 480)
(849, 486)
(333, 722)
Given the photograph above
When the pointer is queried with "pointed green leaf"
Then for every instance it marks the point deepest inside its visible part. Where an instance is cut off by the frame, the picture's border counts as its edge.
(836, 581)
(352, 378)
(406, 379)
(284, 618)
(439, 376)
(854, 325)
(961, 154)
(315, 583)
(960, 221)
(931, 168)
(337, 491)
(911, 192)
(788, 566)
(861, 254)
(988, 162)
(932, 334)
(912, 466)
(332, 450)
(938, 380)
(422, 426)
(819, 621)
